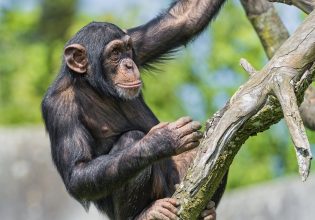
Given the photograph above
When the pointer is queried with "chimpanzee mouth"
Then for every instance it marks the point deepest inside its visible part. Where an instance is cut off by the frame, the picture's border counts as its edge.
(133, 85)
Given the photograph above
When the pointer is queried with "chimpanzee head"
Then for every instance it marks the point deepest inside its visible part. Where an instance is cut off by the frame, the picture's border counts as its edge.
(102, 54)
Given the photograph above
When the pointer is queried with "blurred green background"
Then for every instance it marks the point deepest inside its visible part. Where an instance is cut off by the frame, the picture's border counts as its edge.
(197, 82)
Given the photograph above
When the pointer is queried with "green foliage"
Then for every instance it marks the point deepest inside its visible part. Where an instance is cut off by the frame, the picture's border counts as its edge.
(29, 64)
(19, 69)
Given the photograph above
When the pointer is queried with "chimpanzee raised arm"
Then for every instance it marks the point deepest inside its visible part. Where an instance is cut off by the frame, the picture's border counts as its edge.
(184, 20)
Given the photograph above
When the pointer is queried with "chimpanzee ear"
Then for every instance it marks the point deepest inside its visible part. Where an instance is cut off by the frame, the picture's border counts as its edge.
(76, 58)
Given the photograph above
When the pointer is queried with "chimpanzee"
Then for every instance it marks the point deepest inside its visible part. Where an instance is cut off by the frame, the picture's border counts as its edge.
(107, 145)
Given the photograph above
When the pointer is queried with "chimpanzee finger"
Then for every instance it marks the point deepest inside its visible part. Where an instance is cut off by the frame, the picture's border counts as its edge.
(187, 147)
(195, 136)
(170, 215)
(171, 207)
(160, 125)
(158, 214)
(211, 205)
(210, 217)
(208, 212)
(189, 128)
(173, 201)
(180, 122)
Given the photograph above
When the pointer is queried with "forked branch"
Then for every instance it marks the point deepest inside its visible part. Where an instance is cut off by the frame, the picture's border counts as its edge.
(263, 20)
(253, 109)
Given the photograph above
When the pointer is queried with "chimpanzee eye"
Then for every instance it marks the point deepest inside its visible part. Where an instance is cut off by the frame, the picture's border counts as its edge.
(128, 47)
(115, 54)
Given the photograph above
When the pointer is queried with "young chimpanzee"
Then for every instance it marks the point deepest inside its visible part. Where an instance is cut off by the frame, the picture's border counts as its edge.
(107, 145)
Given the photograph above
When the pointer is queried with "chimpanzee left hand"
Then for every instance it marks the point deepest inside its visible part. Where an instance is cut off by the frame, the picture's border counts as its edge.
(209, 212)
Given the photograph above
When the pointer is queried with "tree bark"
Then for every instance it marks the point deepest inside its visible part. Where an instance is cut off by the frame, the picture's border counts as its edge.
(252, 109)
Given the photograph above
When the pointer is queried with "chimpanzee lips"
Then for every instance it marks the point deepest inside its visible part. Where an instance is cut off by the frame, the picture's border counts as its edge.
(132, 85)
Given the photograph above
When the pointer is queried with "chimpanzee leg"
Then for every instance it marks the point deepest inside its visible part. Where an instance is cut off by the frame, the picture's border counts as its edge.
(130, 199)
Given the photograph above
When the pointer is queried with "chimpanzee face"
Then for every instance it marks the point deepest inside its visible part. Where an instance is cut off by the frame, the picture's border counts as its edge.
(124, 73)
(111, 68)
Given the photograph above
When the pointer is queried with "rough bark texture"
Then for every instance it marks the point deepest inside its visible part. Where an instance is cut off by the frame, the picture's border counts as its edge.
(252, 110)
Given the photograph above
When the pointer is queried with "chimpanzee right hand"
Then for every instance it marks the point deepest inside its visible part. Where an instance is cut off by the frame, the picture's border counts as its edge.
(177, 137)
(162, 209)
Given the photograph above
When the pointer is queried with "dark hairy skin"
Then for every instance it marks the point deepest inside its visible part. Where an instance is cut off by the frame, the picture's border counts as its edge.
(107, 145)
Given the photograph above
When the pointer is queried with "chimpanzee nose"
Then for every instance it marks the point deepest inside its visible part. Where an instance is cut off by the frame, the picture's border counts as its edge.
(129, 64)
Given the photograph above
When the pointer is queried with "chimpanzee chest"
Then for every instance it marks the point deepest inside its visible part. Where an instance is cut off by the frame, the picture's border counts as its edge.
(107, 121)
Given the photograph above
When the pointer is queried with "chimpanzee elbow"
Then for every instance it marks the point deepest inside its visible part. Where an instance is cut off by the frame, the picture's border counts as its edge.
(84, 190)
(77, 190)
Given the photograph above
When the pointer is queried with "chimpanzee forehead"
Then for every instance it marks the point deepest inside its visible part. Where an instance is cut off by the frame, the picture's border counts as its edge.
(100, 32)
(113, 31)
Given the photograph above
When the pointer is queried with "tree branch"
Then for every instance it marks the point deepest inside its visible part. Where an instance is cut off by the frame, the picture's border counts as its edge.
(253, 109)
(267, 24)
(305, 5)
(272, 33)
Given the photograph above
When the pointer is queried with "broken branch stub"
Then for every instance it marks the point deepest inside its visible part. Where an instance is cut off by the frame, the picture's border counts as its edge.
(247, 66)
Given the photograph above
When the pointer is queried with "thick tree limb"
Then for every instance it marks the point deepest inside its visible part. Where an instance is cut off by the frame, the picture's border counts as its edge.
(252, 110)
